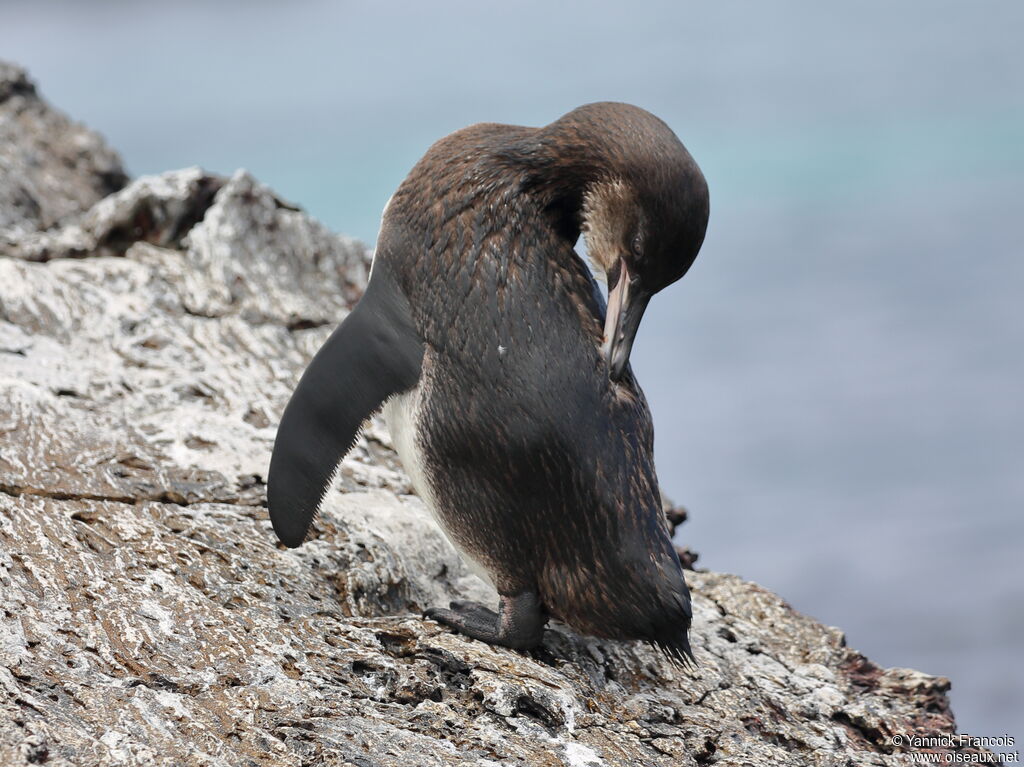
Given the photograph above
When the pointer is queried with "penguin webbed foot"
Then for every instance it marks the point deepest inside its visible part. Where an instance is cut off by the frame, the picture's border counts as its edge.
(519, 622)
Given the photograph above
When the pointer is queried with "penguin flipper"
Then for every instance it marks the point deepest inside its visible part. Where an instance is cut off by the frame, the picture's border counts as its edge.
(374, 354)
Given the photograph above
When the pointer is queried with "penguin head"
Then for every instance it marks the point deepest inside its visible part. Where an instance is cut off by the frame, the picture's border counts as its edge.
(643, 217)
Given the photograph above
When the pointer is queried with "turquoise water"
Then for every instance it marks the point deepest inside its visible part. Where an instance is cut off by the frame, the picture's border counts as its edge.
(836, 384)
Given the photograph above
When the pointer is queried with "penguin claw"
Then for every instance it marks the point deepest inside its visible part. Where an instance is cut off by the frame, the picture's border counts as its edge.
(469, 618)
(519, 625)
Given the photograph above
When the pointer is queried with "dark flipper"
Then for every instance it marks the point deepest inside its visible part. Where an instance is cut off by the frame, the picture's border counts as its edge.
(519, 622)
(372, 355)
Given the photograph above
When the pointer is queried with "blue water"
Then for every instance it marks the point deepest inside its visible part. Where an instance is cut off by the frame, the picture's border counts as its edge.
(836, 385)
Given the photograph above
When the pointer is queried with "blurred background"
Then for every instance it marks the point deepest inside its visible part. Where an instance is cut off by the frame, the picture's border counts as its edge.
(836, 384)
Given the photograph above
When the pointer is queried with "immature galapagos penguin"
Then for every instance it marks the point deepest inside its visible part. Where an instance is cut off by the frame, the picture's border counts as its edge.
(504, 379)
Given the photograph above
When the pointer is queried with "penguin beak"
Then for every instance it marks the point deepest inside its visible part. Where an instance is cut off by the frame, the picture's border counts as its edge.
(626, 304)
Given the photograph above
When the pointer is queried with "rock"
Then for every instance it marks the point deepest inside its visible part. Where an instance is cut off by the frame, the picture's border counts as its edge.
(675, 516)
(50, 167)
(147, 349)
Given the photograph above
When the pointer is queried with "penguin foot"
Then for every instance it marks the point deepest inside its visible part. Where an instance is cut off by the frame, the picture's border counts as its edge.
(519, 622)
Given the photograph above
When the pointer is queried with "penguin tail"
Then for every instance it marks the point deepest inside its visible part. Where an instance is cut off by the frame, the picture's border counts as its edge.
(669, 626)
(677, 649)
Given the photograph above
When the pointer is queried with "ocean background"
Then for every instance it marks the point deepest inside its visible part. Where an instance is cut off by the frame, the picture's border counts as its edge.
(838, 383)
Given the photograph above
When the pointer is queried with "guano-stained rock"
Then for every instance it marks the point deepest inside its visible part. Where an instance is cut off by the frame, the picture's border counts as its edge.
(147, 349)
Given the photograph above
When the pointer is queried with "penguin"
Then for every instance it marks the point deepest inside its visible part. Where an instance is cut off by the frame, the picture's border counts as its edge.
(504, 375)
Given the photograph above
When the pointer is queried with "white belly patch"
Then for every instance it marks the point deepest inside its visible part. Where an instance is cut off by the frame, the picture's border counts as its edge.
(402, 413)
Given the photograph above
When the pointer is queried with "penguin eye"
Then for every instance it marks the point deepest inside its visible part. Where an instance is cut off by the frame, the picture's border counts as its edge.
(637, 245)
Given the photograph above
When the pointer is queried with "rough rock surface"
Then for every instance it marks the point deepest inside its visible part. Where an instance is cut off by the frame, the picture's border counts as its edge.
(50, 167)
(149, 617)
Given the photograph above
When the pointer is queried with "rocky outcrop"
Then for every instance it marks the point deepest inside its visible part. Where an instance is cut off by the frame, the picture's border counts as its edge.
(50, 167)
(147, 348)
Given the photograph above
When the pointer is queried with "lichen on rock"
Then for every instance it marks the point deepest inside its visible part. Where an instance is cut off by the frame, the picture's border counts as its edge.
(148, 344)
